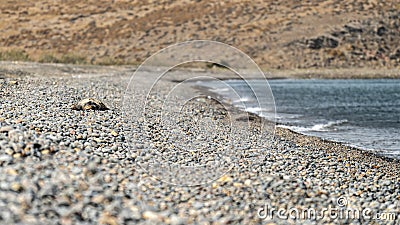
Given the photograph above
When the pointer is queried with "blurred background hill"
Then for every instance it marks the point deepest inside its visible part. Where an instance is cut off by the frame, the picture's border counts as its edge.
(285, 34)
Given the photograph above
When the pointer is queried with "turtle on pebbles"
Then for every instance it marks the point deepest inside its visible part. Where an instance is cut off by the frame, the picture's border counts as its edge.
(89, 104)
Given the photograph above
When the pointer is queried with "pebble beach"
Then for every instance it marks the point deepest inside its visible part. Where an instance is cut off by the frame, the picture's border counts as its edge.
(65, 166)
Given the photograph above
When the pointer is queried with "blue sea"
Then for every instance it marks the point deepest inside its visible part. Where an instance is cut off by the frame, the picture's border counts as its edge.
(359, 113)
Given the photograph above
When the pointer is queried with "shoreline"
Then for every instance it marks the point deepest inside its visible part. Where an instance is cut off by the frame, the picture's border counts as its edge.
(81, 167)
(367, 152)
(315, 73)
(30, 68)
(335, 73)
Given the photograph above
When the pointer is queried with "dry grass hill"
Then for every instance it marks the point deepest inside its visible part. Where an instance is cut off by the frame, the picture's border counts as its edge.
(284, 34)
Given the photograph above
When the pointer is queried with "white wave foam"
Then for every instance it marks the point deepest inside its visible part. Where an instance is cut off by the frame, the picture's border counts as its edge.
(322, 127)
(218, 90)
(244, 99)
(255, 110)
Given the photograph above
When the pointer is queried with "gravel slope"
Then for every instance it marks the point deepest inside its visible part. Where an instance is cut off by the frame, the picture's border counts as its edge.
(60, 166)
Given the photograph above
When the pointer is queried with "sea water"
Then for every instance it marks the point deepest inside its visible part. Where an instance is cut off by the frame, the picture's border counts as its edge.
(363, 113)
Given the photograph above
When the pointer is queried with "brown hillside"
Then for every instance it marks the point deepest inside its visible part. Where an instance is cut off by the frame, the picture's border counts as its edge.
(277, 34)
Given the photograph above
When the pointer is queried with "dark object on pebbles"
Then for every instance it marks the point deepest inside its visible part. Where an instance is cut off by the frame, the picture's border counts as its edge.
(89, 104)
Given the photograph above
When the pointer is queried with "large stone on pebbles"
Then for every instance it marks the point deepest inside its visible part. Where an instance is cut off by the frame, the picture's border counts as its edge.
(89, 104)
